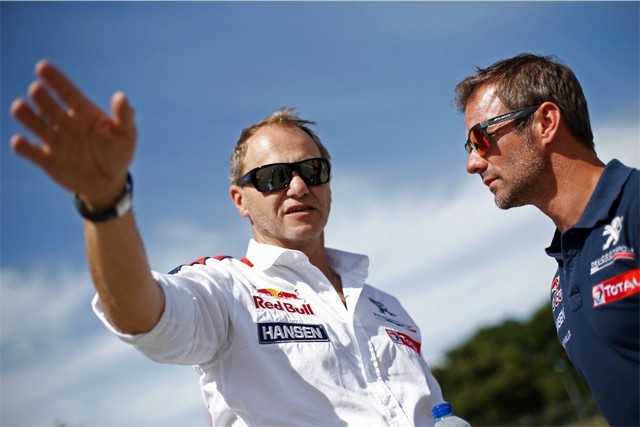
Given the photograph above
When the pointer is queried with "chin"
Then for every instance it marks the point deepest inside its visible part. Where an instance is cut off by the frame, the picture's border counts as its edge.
(503, 206)
(508, 203)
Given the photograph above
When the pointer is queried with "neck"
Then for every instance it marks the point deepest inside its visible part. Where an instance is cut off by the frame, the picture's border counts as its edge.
(320, 259)
(575, 180)
(317, 254)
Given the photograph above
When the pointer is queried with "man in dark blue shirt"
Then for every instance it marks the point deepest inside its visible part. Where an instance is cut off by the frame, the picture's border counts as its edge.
(530, 140)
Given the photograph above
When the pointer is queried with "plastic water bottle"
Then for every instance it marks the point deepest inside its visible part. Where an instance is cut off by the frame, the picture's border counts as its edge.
(443, 414)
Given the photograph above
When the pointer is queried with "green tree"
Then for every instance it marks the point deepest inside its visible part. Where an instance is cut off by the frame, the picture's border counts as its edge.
(515, 373)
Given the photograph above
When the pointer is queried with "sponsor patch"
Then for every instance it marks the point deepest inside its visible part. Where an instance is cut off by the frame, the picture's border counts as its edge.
(386, 315)
(619, 287)
(566, 339)
(276, 299)
(560, 319)
(278, 294)
(381, 308)
(616, 254)
(612, 232)
(556, 293)
(404, 339)
(279, 332)
(395, 322)
(304, 309)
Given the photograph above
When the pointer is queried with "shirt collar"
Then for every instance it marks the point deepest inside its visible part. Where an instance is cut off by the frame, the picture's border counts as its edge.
(607, 191)
(264, 257)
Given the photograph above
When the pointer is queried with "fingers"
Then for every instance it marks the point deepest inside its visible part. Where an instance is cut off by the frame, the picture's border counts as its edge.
(47, 105)
(29, 151)
(65, 89)
(79, 145)
(29, 119)
(50, 115)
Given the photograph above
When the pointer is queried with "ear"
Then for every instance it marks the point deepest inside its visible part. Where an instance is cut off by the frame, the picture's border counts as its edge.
(549, 122)
(238, 200)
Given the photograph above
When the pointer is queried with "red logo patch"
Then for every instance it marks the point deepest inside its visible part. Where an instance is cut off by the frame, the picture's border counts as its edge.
(556, 293)
(619, 287)
(404, 339)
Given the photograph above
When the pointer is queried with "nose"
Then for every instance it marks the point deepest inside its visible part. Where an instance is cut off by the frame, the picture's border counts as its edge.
(297, 186)
(476, 163)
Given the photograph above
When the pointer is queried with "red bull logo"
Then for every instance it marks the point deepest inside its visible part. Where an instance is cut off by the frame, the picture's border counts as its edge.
(284, 301)
(282, 306)
(277, 294)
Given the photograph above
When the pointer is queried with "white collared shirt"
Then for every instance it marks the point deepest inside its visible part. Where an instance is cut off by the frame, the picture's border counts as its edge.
(274, 344)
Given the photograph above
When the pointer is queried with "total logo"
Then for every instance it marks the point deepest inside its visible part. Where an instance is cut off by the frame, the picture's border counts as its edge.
(404, 339)
(619, 287)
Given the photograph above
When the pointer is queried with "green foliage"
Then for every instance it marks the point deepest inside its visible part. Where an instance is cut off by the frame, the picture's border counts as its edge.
(515, 373)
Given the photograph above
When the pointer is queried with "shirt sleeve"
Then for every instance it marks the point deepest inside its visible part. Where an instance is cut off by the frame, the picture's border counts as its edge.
(195, 323)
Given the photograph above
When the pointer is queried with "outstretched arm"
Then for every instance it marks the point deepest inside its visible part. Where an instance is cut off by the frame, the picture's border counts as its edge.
(89, 153)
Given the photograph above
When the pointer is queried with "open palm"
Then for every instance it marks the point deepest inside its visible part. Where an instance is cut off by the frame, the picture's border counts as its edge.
(82, 148)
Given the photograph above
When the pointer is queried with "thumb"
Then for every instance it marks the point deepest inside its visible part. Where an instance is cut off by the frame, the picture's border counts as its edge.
(123, 114)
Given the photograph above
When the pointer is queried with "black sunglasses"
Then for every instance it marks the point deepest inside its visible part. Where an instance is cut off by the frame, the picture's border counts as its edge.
(479, 140)
(276, 176)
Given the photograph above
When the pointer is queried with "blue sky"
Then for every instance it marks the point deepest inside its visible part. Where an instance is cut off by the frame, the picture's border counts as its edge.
(377, 77)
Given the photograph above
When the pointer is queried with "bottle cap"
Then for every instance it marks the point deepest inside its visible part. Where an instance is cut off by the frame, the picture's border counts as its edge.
(441, 409)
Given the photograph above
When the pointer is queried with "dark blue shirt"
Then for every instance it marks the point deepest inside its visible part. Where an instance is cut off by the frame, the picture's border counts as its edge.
(595, 294)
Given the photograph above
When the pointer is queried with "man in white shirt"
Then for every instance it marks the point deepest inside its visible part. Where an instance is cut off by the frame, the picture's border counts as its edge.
(288, 335)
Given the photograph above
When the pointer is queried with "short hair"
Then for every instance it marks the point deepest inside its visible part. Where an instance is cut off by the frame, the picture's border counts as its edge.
(285, 117)
(527, 79)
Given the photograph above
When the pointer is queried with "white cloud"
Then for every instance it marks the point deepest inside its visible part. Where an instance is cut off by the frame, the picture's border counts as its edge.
(80, 382)
(52, 301)
(60, 365)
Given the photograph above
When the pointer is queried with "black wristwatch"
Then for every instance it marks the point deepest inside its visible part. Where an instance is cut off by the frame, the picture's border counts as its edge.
(119, 208)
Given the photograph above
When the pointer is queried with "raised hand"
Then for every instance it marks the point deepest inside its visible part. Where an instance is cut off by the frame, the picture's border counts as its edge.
(80, 147)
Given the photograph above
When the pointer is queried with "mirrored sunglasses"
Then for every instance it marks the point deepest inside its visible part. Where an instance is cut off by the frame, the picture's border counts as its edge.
(276, 176)
(479, 140)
